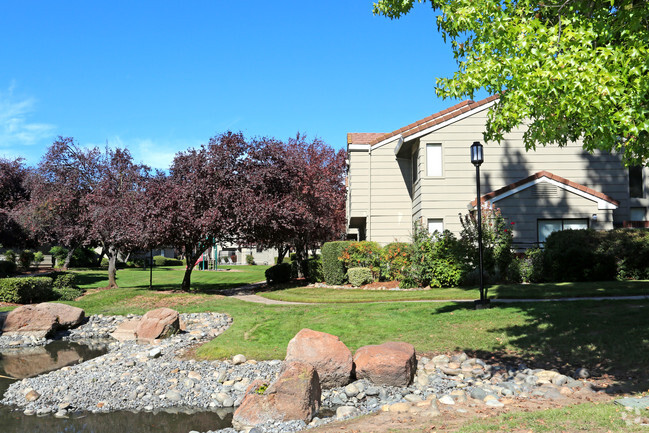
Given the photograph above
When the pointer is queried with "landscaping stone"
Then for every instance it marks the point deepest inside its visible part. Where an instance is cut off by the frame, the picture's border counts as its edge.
(391, 363)
(126, 330)
(29, 320)
(67, 316)
(325, 352)
(295, 395)
(159, 323)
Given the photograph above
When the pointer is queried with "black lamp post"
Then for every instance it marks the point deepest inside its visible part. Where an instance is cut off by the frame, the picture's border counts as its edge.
(477, 158)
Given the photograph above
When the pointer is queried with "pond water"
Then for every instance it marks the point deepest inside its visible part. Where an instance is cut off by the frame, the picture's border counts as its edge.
(28, 362)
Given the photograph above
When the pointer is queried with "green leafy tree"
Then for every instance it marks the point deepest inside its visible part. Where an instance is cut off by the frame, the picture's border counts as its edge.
(572, 69)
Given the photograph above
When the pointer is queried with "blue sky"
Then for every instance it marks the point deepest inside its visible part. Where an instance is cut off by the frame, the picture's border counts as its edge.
(159, 77)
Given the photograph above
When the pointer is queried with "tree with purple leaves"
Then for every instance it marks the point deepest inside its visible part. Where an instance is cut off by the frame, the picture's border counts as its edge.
(297, 192)
(112, 207)
(56, 211)
(14, 192)
(200, 203)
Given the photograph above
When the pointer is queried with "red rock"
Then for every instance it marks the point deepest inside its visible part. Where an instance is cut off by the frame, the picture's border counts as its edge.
(295, 395)
(29, 320)
(67, 316)
(330, 357)
(391, 363)
(159, 323)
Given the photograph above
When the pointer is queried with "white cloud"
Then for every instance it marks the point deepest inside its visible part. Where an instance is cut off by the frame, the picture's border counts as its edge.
(154, 153)
(16, 128)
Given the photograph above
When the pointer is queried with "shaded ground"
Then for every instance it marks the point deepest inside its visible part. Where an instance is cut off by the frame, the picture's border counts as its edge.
(452, 420)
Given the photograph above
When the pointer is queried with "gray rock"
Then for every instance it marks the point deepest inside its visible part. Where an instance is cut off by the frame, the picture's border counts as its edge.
(346, 412)
(582, 373)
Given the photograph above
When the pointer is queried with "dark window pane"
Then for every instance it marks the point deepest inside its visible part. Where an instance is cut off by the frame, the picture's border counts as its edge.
(635, 181)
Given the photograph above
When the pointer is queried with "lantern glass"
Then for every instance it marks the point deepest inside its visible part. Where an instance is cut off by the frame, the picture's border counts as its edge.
(477, 156)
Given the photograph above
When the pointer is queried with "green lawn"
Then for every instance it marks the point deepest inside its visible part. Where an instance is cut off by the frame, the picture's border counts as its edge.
(605, 336)
(583, 417)
(169, 278)
(499, 291)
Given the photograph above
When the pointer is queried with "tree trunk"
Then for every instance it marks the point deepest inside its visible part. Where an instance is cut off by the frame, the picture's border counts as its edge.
(101, 256)
(191, 261)
(112, 267)
(68, 258)
(281, 253)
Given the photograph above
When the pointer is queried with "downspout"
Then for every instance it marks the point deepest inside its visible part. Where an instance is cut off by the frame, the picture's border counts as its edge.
(369, 202)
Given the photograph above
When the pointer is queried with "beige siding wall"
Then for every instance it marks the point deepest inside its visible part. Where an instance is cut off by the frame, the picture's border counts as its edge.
(544, 201)
(446, 196)
(391, 205)
(381, 187)
(358, 182)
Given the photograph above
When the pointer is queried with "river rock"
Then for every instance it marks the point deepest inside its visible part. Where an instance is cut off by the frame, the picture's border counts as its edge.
(126, 330)
(29, 320)
(330, 357)
(159, 323)
(295, 395)
(391, 363)
(67, 316)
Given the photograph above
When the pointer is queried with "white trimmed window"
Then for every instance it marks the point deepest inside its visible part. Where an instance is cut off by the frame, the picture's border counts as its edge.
(435, 225)
(547, 227)
(433, 160)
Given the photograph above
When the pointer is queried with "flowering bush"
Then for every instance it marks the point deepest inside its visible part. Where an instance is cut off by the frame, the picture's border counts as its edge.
(497, 237)
(436, 260)
(395, 260)
(363, 254)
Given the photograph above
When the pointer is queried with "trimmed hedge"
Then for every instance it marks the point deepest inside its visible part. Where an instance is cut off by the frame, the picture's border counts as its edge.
(67, 293)
(26, 290)
(314, 268)
(7, 268)
(576, 255)
(333, 269)
(64, 280)
(166, 261)
(278, 274)
(359, 276)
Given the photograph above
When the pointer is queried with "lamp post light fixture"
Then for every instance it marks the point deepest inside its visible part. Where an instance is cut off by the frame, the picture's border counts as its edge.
(477, 158)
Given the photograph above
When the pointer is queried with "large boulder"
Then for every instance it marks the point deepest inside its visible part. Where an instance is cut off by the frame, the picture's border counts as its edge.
(66, 315)
(41, 320)
(159, 323)
(330, 357)
(391, 363)
(295, 395)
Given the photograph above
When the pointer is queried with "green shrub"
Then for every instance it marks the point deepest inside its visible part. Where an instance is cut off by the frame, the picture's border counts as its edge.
(314, 269)
(575, 255)
(250, 259)
(104, 262)
(81, 257)
(10, 256)
(445, 273)
(359, 276)
(363, 254)
(438, 260)
(25, 259)
(278, 274)
(38, 258)
(630, 247)
(64, 280)
(26, 290)
(7, 268)
(166, 261)
(67, 294)
(527, 268)
(395, 260)
(334, 269)
(497, 238)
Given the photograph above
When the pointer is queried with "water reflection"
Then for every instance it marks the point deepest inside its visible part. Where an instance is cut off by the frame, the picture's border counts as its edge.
(122, 421)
